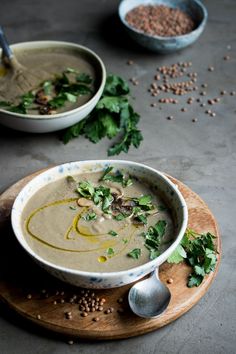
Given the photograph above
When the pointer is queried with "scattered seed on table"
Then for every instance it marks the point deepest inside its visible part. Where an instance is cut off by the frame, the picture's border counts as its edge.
(203, 93)
(183, 109)
(226, 57)
(153, 104)
(84, 314)
(62, 301)
(194, 120)
(223, 92)
(100, 308)
(130, 62)
(203, 104)
(120, 300)
(232, 93)
(96, 319)
(211, 68)
(169, 117)
(107, 311)
(29, 296)
(212, 114)
(54, 302)
(70, 342)
(204, 85)
(38, 317)
(169, 280)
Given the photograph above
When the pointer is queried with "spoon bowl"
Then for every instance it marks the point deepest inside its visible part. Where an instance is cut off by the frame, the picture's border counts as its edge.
(150, 297)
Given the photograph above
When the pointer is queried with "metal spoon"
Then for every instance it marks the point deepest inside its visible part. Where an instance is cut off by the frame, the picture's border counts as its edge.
(22, 77)
(150, 297)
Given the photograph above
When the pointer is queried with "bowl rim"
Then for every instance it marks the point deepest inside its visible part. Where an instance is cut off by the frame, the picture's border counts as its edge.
(183, 36)
(19, 234)
(64, 44)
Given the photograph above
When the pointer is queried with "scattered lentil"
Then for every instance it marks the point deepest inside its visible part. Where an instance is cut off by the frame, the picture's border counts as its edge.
(130, 62)
(84, 314)
(38, 317)
(169, 280)
(96, 319)
(120, 300)
(70, 342)
(29, 296)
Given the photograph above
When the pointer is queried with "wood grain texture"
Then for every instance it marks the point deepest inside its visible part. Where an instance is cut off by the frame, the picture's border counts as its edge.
(20, 276)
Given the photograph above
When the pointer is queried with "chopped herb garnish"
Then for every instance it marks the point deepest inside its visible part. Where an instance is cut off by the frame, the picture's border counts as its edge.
(47, 87)
(142, 218)
(85, 78)
(90, 216)
(112, 115)
(119, 217)
(72, 207)
(110, 252)
(153, 238)
(86, 189)
(124, 240)
(52, 94)
(135, 253)
(117, 177)
(113, 233)
(198, 250)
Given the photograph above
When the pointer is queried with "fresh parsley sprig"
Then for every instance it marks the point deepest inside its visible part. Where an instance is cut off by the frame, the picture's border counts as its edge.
(113, 116)
(199, 251)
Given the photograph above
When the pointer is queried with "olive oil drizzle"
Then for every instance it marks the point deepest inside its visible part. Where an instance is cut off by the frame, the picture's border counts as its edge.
(74, 228)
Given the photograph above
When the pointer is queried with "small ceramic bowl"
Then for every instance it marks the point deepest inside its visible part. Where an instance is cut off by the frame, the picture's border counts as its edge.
(35, 123)
(166, 188)
(194, 8)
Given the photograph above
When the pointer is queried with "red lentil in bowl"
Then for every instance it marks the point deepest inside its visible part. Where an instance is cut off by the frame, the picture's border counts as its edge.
(180, 23)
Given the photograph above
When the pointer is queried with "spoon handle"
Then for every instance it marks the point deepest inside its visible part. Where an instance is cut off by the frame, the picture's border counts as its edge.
(6, 50)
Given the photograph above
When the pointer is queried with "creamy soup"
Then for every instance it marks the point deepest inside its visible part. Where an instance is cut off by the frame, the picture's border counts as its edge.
(45, 65)
(99, 222)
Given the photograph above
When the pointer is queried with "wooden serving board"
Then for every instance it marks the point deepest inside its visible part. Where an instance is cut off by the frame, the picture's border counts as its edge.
(44, 300)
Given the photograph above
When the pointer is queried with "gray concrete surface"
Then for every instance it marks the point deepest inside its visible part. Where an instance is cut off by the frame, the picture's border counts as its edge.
(200, 154)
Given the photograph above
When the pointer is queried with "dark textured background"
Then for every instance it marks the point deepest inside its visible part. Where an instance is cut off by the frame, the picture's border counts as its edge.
(200, 154)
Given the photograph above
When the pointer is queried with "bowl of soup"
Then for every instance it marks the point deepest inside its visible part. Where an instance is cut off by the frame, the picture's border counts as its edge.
(99, 224)
(60, 84)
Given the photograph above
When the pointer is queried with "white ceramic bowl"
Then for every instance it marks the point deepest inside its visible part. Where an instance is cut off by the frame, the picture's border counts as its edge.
(35, 123)
(85, 279)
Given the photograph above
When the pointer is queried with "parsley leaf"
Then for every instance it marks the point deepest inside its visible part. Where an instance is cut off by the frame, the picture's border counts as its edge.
(113, 116)
(135, 253)
(153, 238)
(110, 252)
(90, 216)
(85, 78)
(198, 250)
(115, 86)
(117, 177)
(113, 233)
(86, 189)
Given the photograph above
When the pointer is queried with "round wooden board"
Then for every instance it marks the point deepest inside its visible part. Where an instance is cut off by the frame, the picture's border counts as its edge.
(20, 276)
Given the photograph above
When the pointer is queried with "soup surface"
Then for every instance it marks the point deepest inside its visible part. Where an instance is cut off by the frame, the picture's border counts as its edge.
(45, 65)
(99, 222)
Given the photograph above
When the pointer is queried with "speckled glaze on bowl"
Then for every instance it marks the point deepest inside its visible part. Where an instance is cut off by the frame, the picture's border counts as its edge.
(159, 44)
(98, 280)
(35, 123)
